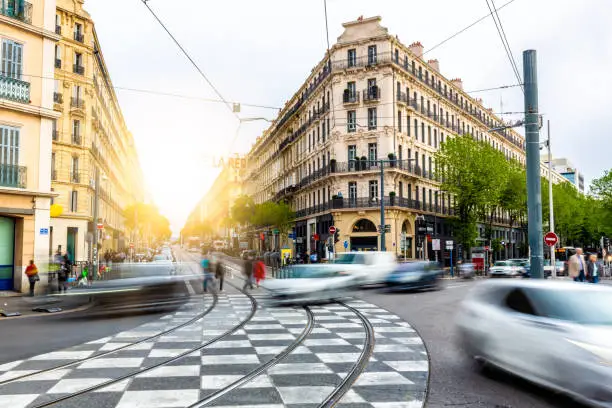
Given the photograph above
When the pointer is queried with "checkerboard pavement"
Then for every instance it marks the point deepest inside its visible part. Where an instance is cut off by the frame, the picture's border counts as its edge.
(396, 375)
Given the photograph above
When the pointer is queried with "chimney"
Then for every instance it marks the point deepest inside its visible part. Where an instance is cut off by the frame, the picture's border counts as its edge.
(458, 83)
(434, 64)
(416, 48)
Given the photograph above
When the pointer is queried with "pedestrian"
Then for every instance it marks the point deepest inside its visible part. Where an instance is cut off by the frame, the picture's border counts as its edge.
(32, 273)
(576, 266)
(593, 269)
(248, 273)
(208, 277)
(64, 272)
(259, 271)
(220, 274)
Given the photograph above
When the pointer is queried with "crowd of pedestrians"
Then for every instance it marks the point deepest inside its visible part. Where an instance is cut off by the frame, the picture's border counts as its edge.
(215, 268)
(584, 270)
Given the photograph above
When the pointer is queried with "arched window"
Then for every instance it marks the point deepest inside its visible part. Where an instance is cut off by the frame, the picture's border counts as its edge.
(364, 225)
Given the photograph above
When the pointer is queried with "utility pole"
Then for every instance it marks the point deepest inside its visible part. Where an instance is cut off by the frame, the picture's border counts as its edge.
(551, 216)
(94, 261)
(534, 195)
(382, 205)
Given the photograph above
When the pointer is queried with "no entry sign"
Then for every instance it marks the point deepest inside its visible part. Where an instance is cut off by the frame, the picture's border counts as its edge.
(332, 230)
(551, 239)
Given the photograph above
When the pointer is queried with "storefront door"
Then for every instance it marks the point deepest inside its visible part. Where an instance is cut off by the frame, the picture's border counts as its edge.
(7, 252)
(71, 243)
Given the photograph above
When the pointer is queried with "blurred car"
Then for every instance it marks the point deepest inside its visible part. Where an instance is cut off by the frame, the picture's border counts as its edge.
(559, 266)
(507, 269)
(466, 270)
(310, 283)
(368, 267)
(163, 263)
(553, 333)
(415, 275)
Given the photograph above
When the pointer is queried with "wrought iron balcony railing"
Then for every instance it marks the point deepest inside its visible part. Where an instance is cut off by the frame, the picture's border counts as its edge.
(348, 97)
(58, 97)
(14, 89)
(371, 94)
(78, 69)
(77, 103)
(13, 176)
(79, 37)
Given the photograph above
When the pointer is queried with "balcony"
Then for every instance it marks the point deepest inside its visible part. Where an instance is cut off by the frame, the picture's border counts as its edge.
(13, 176)
(402, 98)
(76, 140)
(14, 89)
(58, 97)
(371, 94)
(10, 9)
(349, 98)
(414, 104)
(77, 103)
(58, 63)
(79, 37)
(78, 69)
(58, 29)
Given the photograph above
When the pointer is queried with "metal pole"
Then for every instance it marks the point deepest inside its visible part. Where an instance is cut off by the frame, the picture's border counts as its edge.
(382, 205)
(534, 195)
(94, 260)
(551, 202)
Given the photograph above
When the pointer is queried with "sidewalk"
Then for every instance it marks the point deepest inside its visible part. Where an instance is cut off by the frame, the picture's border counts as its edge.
(14, 302)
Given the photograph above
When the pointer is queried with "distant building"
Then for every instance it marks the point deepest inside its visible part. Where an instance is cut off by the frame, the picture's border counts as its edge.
(565, 168)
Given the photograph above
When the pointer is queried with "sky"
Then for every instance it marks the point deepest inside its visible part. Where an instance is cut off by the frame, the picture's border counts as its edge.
(260, 52)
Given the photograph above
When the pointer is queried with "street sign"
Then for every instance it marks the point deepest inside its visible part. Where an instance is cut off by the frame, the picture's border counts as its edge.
(44, 231)
(435, 244)
(345, 243)
(449, 245)
(291, 235)
(315, 237)
(100, 226)
(551, 239)
(332, 230)
(275, 231)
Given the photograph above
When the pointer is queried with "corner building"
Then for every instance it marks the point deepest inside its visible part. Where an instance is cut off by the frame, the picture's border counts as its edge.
(90, 136)
(27, 38)
(372, 98)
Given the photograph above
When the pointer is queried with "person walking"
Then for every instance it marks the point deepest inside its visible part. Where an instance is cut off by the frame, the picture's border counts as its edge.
(593, 269)
(220, 274)
(208, 277)
(248, 273)
(259, 271)
(576, 266)
(64, 272)
(32, 273)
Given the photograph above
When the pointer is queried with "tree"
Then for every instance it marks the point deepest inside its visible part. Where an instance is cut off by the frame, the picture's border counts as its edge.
(146, 220)
(243, 210)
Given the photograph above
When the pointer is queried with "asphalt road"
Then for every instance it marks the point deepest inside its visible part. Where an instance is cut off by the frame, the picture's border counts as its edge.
(454, 381)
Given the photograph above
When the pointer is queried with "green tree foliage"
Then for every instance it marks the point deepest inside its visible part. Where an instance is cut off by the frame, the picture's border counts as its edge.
(268, 214)
(146, 219)
(243, 210)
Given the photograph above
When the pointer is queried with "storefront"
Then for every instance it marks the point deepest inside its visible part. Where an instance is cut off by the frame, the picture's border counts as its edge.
(7, 253)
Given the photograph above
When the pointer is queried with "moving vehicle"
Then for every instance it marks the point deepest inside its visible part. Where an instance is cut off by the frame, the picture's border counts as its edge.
(219, 245)
(368, 267)
(415, 275)
(309, 284)
(506, 269)
(553, 333)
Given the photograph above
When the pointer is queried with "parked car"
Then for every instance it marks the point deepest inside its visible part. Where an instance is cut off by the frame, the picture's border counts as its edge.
(415, 275)
(553, 333)
(506, 269)
(369, 267)
(309, 284)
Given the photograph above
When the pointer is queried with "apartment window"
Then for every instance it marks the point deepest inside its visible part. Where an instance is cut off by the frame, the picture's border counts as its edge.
(423, 162)
(352, 152)
(351, 57)
(405, 62)
(400, 152)
(413, 68)
(420, 73)
(409, 190)
(399, 120)
(373, 188)
(430, 165)
(76, 131)
(323, 131)
(408, 124)
(429, 135)
(58, 56)
(9, 149)
(424, 197)
(416, 130)
(318, 134)
(372, 55)
(397, 56)
(352, 90)
(422, 132)
(430, 198)
(416, 190)
(78, 59)
(77, 92)
(371, 118)
(372, 152)
(74, 170)
(371, 85)
(401, 189)
(78, 32)
(398, 90)
(352, 191)
(12, 59)
(74, 201)
(351, 121)
(435, 138)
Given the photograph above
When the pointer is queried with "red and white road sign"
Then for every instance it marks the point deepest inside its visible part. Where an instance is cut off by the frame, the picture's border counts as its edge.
(551, 239)
(131, 245)
(332, 230)
(100, 226)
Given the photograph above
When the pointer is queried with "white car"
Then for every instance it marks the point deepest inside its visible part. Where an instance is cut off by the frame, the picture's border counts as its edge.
(368, 267)
(553, 333)
(310, 283)
(506, 269)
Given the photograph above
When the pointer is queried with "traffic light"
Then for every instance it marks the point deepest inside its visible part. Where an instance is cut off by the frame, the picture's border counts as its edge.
(336, 236)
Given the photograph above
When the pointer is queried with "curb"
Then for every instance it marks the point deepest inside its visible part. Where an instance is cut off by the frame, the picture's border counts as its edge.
(86, 306)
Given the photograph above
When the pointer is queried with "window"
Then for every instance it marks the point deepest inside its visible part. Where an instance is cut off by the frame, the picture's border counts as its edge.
(12, 59)
(352, 152)
(424, 198)
(351, 121)
(371, 85)
(408, 124)
(413, 68)
(422, 132)
(372, 55)
(323, 131)
(409, 190)
(77, 92)
(429, 135)
(400, 152)
(420, 73)
(58, 55)
(74, 201)
(435, 138)
(373, 188)
(401, 189)
(76, 131)
(351, 57)
(430, 165)
(519, 302)
(396, 56)
(78, 32)
(78, 59)
(352, 90)
(406, 64)
(371, 118)
(74, 170)
(372, 153)
(416, 130)
(399, 120)
(352, 191)
(423, 162)
(9, 147)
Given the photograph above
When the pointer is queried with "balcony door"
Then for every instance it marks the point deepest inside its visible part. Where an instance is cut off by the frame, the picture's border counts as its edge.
(9, 156)
(12, 59)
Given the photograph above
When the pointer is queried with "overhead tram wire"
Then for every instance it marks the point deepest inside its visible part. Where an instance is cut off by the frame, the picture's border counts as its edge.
(506, 46)
(225, 101)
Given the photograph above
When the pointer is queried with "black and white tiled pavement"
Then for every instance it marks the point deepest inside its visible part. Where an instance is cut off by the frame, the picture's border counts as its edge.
(396, 375)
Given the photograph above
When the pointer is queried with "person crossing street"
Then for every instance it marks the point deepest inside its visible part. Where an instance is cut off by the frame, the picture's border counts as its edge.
(220, 273)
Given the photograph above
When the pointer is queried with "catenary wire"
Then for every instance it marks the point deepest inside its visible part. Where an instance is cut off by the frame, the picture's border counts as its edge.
(505, 45)
(508, 44)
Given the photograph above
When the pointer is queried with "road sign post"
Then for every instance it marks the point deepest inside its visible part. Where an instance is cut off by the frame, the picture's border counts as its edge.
(332, 230)
(551, 239)
(449, 247)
